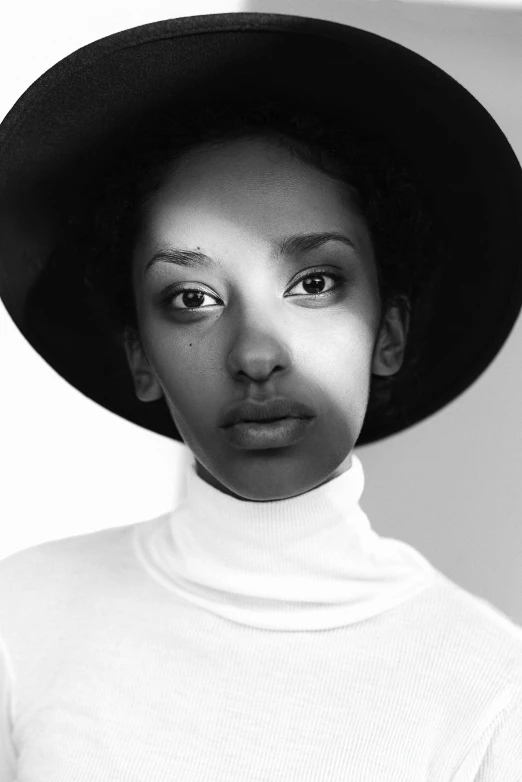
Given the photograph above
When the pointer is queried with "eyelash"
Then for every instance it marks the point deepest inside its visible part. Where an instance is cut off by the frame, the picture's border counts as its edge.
(338, 278)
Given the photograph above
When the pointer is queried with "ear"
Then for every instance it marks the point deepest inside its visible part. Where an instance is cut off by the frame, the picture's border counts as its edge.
(145, 382)
(390, 346)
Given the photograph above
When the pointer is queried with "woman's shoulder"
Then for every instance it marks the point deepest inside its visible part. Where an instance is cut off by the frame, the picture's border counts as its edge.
(50, 556)
(38, 575)
(475, 638)
(62, 550)
(471, 611)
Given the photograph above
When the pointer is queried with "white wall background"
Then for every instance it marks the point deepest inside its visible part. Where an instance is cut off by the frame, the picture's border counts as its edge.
(451, 486)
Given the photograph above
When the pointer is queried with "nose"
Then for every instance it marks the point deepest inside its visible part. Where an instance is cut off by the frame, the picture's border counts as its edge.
(258, 348)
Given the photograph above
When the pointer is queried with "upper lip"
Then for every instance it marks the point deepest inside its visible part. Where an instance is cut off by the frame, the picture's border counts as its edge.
(270, 410)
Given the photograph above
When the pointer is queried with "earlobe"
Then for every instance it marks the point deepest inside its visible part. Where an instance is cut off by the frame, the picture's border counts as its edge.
(146, 384)
(388, 354)
(387, 360)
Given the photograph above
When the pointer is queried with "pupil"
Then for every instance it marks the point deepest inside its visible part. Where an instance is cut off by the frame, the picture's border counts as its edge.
(190, 298)
(314, 279)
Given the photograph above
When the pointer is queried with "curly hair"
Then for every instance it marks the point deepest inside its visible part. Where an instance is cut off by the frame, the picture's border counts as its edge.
(382, 190)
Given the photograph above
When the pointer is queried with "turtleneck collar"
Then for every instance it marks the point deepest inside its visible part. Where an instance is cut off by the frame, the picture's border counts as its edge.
(309, 562)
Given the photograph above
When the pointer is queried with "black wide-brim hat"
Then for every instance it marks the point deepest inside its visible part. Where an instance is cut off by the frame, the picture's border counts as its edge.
(64, 128)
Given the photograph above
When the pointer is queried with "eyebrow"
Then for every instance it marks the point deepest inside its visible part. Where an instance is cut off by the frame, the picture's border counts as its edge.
(289, 245)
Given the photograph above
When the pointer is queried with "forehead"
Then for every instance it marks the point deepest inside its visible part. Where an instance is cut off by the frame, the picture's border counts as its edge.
(251, 189)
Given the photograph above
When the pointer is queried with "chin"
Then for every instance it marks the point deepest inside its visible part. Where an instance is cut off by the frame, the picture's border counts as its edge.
(268, 475)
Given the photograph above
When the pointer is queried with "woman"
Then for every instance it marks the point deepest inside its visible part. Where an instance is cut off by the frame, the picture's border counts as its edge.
(280, 279)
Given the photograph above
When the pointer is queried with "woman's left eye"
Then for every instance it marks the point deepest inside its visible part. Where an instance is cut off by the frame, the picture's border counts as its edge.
(313, 281)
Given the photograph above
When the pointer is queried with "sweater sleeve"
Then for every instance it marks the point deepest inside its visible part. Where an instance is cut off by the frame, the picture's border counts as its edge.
(497, 755)
(7, 748)
(502, 759)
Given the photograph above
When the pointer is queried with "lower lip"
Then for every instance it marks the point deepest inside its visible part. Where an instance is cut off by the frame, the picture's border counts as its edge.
(285, 431)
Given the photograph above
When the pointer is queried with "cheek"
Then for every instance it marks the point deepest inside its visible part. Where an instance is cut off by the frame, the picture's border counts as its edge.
(340, 366)
(185, 368)
(343, 348)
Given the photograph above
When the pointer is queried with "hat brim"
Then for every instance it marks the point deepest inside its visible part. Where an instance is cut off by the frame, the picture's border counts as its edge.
(62, 128)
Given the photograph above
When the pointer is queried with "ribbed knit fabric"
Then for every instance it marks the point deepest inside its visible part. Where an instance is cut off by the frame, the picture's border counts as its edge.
(257, 641)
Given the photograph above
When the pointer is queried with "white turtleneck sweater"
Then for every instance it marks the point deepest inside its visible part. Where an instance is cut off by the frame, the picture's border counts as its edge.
(230, 640)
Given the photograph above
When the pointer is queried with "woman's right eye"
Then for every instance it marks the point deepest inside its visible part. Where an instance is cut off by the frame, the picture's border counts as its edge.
(191, 299)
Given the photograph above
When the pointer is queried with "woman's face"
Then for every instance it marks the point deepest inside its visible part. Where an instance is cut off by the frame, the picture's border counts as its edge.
(248, 328)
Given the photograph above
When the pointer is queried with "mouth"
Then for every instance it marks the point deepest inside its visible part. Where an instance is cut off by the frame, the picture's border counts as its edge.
(269, 412)
(270, 433)
(264, 420)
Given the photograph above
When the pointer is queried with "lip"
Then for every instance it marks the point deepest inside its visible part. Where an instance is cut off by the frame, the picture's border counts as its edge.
(256, 435)
(251, 411)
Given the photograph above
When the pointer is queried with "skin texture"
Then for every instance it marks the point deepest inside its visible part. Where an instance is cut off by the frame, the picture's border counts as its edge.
(259, 333)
